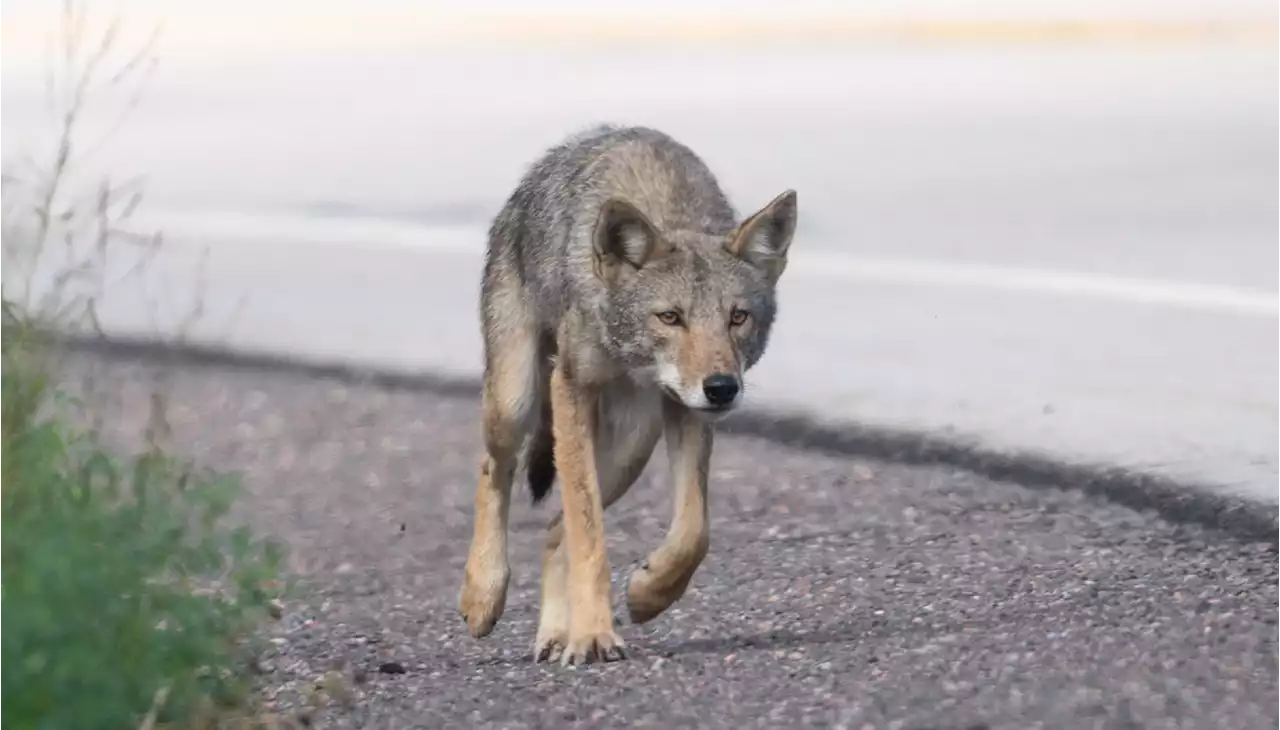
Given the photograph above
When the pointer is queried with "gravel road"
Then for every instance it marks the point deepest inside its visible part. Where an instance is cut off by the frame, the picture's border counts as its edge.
(839, 592)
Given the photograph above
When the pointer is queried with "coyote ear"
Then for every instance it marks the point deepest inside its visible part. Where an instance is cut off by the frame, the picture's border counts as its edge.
(763, 239)
(625, 237)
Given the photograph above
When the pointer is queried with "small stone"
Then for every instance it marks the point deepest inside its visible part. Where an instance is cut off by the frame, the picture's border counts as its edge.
(391, 668)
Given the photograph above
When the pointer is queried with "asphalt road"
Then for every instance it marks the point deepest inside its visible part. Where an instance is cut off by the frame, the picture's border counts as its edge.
(839, 592)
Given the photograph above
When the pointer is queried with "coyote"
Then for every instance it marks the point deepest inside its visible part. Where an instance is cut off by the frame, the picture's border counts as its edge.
(622, 300)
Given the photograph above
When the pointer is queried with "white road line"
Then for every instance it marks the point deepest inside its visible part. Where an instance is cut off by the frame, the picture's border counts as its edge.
(469, 240)
(1207, 297)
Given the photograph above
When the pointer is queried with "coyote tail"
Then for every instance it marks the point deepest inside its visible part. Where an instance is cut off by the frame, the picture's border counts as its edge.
(541, 461)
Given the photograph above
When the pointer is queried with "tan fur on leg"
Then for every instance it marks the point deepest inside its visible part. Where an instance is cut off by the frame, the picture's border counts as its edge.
(574, 416)
(510, 394)
(666, 574)
(623, 448)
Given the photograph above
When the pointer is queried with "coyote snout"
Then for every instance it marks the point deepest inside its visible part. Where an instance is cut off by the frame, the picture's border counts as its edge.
(711, 391)
(719, 394)
(622, 302)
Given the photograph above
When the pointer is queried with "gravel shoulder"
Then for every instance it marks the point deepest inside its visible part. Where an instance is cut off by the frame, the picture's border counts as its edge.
(838, 592)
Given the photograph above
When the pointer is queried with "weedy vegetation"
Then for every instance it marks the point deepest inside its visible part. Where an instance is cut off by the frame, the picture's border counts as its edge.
(129, 599)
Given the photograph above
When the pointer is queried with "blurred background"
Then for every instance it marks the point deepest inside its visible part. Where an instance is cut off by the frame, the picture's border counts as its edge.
(1046, 227)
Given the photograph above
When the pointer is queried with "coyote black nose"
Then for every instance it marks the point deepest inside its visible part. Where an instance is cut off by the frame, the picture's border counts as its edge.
(720, 389)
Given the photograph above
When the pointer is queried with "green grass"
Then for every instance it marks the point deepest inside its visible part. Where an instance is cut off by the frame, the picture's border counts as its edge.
(125, 592)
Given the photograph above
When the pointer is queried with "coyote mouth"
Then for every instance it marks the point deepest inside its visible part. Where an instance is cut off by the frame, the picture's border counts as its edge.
(672, 394)
(711, 411)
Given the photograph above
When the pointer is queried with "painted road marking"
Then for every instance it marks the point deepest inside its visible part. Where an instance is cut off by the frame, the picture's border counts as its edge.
(207, 228)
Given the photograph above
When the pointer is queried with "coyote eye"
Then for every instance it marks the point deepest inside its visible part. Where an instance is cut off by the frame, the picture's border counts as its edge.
(739, 317)
(669, 318)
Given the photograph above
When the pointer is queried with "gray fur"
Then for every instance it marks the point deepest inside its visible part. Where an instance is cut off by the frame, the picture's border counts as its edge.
(593, 304)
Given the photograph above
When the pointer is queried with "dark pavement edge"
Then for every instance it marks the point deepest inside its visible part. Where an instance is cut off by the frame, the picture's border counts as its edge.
(1174, 500)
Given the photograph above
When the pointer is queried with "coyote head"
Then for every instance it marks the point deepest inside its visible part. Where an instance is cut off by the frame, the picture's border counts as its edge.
(687, 309)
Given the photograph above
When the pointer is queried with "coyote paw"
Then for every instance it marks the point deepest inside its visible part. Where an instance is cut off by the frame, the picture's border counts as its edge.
(603, 646)
(549, 645)
(645, 598)
(484, 596)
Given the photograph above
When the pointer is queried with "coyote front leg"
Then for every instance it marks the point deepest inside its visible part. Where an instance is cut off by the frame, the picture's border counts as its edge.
(574, 418)
(662, 580)
(510, 397)
(619, 462)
